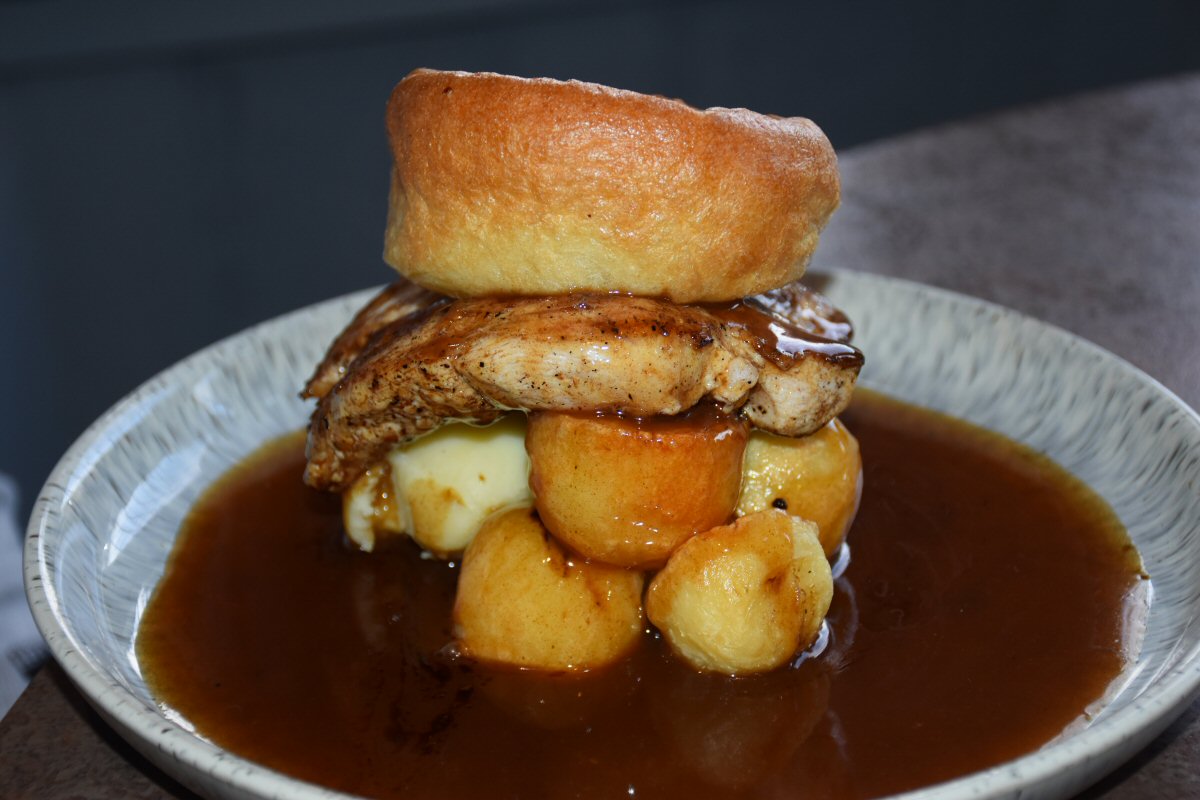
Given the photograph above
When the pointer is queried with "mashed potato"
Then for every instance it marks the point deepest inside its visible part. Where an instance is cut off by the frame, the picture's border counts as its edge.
(440, 488)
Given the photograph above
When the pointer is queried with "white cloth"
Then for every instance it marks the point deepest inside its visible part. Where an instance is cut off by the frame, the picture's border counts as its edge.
(21, 647)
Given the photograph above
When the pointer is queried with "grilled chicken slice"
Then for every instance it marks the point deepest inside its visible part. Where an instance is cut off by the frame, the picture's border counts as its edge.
(473, 359)
(397, 301)
(795, 302)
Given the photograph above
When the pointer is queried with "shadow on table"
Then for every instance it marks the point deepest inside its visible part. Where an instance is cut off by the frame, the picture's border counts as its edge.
(1135, 778)
(49, 754)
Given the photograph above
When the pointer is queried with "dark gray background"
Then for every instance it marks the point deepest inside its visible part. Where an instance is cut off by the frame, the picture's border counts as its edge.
(170, 175)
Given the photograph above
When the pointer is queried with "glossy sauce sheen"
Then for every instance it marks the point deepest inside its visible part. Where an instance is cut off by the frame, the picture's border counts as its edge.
(703, 419)
(780, 341)
(985, 607)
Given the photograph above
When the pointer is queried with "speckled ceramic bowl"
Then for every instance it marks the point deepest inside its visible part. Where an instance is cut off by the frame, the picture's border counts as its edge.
(107, 518)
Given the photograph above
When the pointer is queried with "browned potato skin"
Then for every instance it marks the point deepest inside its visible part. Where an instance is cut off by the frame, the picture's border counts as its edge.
(628, 492)
(743, 598)
(817, 477)
(523, 601)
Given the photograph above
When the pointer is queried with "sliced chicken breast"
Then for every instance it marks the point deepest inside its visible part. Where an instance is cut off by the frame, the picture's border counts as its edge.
(473, 359)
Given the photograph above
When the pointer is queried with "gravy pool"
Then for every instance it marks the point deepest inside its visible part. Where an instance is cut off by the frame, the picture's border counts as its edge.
(987, 606)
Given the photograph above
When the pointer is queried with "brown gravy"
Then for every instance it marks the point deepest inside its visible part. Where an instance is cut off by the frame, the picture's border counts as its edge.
(983, 610)
(779, 341)
(703, 419)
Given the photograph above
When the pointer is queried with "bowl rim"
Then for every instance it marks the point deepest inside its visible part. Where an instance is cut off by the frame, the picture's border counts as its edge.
(1124, 730)
(141, 727)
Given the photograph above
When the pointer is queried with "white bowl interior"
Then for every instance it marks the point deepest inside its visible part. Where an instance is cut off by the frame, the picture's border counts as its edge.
(106, 521)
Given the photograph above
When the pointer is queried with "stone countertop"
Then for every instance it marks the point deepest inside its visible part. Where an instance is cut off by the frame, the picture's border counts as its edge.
(1084, 212)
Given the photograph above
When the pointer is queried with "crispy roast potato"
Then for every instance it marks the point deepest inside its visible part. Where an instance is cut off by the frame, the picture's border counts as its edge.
(523, 601)
(628, 492)
(745, 597)
(817, 477)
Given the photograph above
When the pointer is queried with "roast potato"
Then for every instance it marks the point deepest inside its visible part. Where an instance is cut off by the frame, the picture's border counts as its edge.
(627, 491)
(816, 477)
(525, 602)
(745, 597)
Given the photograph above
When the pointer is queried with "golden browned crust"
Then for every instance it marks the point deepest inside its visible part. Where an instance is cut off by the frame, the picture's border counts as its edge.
(507, 185)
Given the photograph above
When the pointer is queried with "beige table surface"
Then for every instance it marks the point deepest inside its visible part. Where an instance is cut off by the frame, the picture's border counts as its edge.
(1084, 212)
